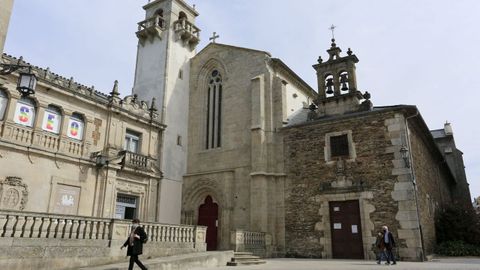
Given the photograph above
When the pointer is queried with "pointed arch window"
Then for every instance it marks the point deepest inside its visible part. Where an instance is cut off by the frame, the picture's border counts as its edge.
(214, 111)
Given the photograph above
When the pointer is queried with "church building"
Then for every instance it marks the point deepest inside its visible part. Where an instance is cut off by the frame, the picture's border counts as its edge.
(232, 139)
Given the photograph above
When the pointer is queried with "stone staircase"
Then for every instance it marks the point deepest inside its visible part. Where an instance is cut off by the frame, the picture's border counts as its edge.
(245, 258)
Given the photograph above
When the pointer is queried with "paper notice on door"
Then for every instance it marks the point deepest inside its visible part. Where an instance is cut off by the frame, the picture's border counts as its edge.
(336, 209)
(354, 229)
(337, 226)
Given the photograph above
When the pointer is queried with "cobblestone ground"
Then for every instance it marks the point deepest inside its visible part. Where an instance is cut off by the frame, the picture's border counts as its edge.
(307, 264)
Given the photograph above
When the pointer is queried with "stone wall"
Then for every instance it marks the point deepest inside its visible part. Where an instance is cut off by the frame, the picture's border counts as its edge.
(34, 240)
(374, 173)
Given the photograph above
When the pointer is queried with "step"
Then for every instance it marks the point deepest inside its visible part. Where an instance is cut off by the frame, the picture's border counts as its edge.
(250, 262)
(245, 258)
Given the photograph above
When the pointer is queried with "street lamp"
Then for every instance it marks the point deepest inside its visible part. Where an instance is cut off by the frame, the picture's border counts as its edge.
(404, 152)
(27, 80)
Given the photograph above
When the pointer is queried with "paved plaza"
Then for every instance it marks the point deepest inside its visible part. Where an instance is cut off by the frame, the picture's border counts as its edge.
(311, 264)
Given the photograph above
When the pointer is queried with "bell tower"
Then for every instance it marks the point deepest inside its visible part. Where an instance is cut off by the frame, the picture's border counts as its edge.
(337, 84)
(167, 39)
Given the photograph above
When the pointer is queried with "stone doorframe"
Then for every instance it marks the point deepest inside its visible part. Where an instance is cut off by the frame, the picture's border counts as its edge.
(366, 208)
(194, 195)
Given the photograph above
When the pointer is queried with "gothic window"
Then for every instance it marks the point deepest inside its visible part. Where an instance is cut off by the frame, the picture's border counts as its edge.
(76, 126)
(339, 146)
(343, 79)
(132, 141)
(214, 111)
(3, 104)
(52, 119)
(25, 112)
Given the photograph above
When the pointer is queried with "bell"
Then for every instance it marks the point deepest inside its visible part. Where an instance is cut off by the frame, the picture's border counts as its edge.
(344, 80)
(329, 86)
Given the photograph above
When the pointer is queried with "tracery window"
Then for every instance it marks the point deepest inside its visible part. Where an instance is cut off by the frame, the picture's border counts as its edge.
(214, 111)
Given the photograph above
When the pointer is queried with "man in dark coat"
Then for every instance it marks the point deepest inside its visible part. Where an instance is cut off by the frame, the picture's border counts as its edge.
(135, 244)
(389, 243)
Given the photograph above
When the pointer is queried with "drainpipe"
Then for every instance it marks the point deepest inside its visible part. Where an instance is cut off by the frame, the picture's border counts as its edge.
(414, 182)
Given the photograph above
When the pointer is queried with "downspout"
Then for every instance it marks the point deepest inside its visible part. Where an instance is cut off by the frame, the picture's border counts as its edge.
(414, 182)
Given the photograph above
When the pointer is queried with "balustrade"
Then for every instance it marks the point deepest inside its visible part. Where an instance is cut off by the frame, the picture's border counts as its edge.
(151, 26)
(45, 226)
(136, 161)
(187, 31)
(249, 241)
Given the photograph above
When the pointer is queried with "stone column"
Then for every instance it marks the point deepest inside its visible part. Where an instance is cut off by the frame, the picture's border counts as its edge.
(5, 11)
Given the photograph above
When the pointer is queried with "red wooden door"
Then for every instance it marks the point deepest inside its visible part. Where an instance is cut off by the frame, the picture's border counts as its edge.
(346, 230)
(208, 216)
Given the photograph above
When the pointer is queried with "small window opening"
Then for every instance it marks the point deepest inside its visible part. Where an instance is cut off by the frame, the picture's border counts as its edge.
(339, 146)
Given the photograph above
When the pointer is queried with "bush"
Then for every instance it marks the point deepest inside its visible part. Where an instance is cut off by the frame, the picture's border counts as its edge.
(457, 248)
(455, 224)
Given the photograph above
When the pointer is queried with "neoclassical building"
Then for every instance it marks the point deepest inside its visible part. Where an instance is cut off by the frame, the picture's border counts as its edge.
(72, 150)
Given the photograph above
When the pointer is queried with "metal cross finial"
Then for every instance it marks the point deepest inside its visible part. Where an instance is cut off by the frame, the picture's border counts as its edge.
(214, 37)
(332, 28)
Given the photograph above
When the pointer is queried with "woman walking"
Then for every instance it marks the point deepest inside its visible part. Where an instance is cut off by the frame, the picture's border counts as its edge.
(135, 244)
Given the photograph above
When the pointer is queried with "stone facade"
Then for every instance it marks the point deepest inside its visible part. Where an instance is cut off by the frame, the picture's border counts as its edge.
(245, 175)
(71, 159)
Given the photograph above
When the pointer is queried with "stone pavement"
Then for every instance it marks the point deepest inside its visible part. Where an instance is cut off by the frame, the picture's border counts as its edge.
(313, 264)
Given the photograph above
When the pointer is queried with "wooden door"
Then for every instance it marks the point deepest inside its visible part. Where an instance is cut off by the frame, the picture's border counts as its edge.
(346, 230)
(208, 216)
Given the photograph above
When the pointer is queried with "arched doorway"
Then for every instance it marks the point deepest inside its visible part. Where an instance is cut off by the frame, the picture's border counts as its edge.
(208, 216)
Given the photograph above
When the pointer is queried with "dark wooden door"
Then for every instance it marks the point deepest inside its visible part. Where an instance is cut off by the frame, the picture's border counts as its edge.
(346, 230)
(208, 216)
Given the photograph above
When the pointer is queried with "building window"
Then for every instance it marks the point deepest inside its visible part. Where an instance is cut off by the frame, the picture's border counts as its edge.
(76, 126)
(339, 146)
(126, 207)
(3, 104)
(132, 141)
(25, 112)
(180, 74)
(52, 119)
(214, 111)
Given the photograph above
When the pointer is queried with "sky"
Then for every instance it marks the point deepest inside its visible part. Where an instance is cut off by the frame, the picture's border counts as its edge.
(424, 53)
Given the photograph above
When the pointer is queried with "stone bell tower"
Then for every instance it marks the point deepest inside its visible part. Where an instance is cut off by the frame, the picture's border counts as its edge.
(337, 84)
(167, 39)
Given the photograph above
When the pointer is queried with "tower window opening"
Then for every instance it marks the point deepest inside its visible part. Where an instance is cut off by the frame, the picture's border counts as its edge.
(344, 84)
(329, 85)
(182, 16)
(159, 13)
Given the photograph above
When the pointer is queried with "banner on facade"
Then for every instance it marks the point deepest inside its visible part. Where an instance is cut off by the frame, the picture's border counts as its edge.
(75, 129)
(24, 114)
(51, 122)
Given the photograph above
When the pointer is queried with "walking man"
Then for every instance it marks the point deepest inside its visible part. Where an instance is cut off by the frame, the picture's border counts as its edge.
(389, 243)
(135, 244)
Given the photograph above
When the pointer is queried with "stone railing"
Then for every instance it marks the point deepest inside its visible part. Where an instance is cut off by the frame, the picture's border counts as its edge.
(255, 242)
(38, 225)
(15, 224)
(187, 31)
(136, 161)
(17, 133)
(151, 26)
(72, 147)
(46, 140)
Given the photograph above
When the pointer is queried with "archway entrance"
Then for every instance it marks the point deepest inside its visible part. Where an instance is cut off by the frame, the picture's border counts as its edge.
(208, 216)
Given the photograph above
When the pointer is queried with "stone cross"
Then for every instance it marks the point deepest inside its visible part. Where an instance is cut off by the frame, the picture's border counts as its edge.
(332, 28)
(214, 37)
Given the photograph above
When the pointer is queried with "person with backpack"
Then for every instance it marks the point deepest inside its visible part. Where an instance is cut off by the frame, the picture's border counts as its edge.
(134, 244)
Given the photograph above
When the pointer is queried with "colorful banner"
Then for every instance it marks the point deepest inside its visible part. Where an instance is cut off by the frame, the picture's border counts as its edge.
(75, 129)
(24, 114)
(51, 122)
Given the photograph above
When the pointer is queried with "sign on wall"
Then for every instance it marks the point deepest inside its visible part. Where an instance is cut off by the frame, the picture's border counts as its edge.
(24, 114)
(75, 129)
(66, 199)
(51, 122)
